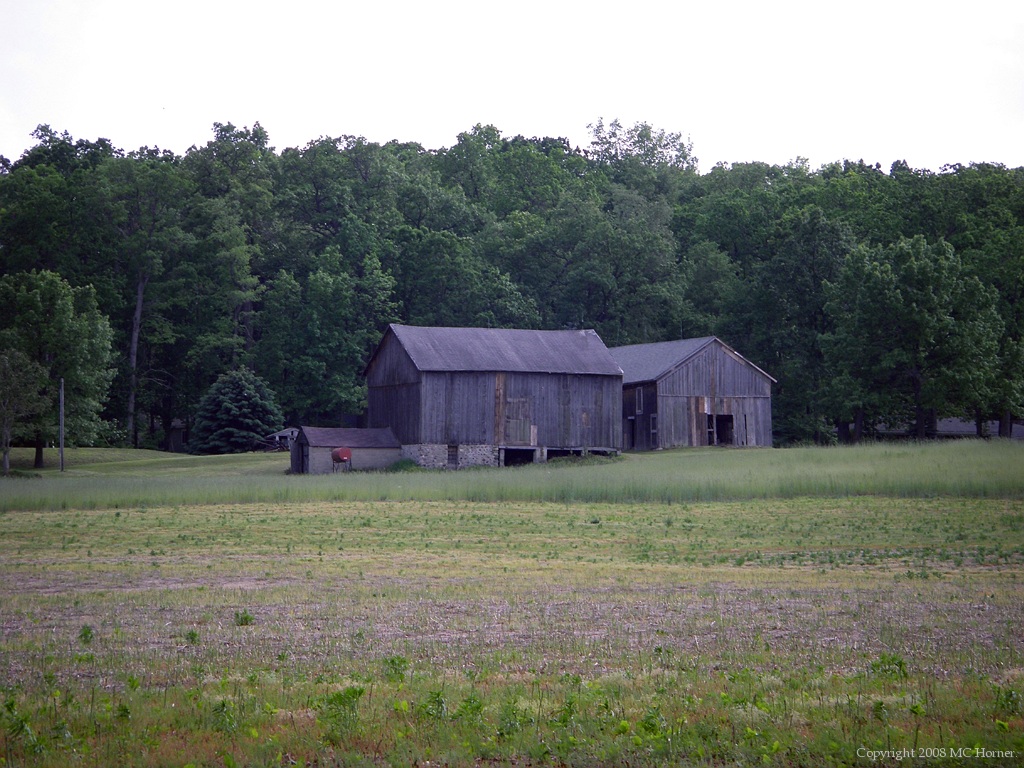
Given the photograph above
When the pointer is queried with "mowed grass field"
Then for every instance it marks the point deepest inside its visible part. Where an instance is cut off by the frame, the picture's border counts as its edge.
(801, 607)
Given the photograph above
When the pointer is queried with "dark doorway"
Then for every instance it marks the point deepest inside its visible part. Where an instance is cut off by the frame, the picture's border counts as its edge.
(723, 430)
(515, 457)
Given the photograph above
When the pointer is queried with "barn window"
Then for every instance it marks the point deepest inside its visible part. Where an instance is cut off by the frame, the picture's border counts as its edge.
(517, 408)
(639, 399)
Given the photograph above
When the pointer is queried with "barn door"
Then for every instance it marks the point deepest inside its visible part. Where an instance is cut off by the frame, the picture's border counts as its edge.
(724, 429)
(499, 409)
(517, 421)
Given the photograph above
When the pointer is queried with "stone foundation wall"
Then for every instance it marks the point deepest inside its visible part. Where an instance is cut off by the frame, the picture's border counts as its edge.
(427, 455)
(478, 456)
(435, 456)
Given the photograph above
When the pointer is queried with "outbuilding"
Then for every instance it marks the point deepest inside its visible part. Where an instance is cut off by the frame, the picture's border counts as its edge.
(457, 397)
(370, 449)
(282, 439)
(692, 392)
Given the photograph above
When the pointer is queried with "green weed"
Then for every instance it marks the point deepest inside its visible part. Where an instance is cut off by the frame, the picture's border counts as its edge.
(339, 712)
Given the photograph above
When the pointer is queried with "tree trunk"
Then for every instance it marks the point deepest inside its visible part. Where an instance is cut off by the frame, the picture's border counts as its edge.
(1006, 424)
(133, 358)
(980, 425)
(5, 438)
(920, 424)
(920, 415)
(931, 423)
(40, 444)
(244, 324)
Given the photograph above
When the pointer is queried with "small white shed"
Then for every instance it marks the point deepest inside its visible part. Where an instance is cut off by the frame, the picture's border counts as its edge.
(371, 449)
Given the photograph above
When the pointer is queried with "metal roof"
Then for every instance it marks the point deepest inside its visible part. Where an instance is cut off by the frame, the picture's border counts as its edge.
(344, 437)
(649, 362)
(506, 350)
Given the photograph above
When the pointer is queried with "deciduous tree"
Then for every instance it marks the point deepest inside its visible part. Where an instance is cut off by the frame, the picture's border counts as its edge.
(22, 383)
(145, 194)
(61, 330)
(915, 339)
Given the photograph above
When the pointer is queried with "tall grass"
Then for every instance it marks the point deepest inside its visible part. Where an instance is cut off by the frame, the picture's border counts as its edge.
(974, 469)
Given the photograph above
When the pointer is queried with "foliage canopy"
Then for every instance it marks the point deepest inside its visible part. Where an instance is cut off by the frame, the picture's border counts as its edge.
(292, 263)
(61, 334)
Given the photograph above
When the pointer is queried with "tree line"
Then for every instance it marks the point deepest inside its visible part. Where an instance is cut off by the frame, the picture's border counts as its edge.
(873, 296)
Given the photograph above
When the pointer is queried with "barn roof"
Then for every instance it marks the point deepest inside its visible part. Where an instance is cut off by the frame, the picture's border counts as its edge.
(507, 350)
(342, 437)
(649, 362)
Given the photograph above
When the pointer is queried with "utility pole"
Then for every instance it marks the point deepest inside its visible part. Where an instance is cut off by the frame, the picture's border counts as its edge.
(61, 423)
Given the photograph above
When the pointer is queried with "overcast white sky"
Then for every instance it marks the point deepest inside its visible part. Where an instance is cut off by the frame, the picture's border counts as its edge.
(929, 82)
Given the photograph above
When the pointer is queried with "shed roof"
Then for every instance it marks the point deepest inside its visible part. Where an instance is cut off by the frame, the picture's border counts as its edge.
(505, 349)
(649, 362)
(343, 437)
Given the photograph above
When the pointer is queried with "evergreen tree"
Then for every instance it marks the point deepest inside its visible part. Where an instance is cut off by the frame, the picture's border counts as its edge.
(235, 414)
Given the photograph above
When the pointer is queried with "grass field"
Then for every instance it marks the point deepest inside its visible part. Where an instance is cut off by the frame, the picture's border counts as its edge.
(791, 608)
(102, 479)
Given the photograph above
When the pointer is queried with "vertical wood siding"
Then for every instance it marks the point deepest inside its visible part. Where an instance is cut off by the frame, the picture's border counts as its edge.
(517, 409)
(398, 407)
(567, 411)
(391, 365)
(715, 371)
(714, 383)
(394, 393)
(457, 408)
(641, 420)
(488, 408)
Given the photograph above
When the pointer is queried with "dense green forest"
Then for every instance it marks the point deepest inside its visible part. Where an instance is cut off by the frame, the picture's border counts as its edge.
(872, 295)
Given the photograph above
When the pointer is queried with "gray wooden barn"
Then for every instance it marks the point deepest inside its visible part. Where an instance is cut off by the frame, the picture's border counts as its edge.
(485, 396)
(371, 449)
(692, 392)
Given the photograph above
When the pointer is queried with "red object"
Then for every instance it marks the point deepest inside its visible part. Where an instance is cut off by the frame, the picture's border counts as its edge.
(341, 455)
